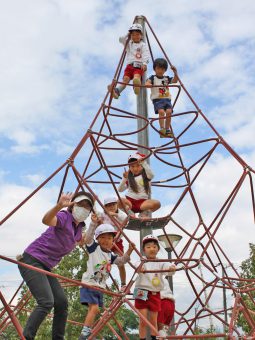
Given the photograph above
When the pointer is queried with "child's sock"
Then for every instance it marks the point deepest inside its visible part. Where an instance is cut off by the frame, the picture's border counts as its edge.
(120, 88)
(162, 132)
(153, 337)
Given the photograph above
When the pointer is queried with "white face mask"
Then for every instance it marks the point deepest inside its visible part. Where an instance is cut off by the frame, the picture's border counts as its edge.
(80, 214)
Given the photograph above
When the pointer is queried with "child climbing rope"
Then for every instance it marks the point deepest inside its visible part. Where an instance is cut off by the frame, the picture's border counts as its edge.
(137, 181)
(137, 57)
(111, 207)
(148, 286)
(98, 269)
(161, 96)
(166, 314)
(60, 238)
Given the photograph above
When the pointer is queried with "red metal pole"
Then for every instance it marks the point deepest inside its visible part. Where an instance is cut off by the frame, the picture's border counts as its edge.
(15, 321)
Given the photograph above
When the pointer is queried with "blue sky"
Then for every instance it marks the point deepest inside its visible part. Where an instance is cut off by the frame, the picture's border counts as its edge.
(58, 58)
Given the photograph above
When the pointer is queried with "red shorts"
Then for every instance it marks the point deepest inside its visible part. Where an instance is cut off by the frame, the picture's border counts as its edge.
(119, 244)
(153, 303)
(131, 70)
(136, 204)
(167, 312)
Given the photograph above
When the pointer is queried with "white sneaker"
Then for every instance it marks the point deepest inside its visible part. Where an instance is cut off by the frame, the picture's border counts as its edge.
(131, 213)
(145, 214)
(114, 91)
(162, 333)
(85, 333)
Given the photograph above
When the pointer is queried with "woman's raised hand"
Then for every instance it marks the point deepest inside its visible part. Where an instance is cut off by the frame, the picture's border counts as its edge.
(65, 200)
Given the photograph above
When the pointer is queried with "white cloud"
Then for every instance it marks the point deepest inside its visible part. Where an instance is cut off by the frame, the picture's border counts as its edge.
(34, 179)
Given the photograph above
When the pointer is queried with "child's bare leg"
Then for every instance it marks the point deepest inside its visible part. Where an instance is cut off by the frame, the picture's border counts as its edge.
(160, 326)
(154, 321)
(142, 324)
(122, 271)
(168, 119)
(91, 315)
(137, 81)
(124, 203)
(161, 114)
(151, 205)
(125, 80)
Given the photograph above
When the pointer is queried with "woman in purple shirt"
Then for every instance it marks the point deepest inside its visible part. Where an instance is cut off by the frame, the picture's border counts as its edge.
(61, 237)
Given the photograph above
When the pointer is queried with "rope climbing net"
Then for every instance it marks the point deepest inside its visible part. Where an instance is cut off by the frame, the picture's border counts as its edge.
(182, 165)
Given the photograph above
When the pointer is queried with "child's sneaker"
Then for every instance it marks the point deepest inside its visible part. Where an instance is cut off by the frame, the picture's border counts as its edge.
(123, 289)
(85, 333)
(136, 81)
(169, 133)
(131, 213)
(145, 214)
(162, 133)
(162, 333)
(114, 91)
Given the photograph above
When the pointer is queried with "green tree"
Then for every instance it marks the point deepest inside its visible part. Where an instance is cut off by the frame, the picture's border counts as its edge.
(73, 266)
(210, 330)
(248, 272)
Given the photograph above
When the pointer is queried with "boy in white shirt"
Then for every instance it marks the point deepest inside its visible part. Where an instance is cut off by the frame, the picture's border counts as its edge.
(137, 58)
(111, 207)
(98, 268)
(148, 286)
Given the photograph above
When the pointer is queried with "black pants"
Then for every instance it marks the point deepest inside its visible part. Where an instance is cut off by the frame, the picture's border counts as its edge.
(48, 294)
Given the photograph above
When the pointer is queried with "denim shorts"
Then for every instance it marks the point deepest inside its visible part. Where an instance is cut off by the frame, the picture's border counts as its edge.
(89, 296)
(163, 103)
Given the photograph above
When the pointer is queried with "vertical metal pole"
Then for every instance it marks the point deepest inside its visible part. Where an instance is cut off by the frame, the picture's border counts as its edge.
(196, 328)
(170, 277)
(171, 285)
(206, 297)
(143, 136)
(142, 110)
(225, 304)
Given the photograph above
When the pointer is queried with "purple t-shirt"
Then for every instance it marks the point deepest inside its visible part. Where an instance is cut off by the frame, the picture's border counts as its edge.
(58, 241)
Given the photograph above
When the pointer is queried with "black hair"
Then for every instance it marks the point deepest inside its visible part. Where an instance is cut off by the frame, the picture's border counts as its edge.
(160, 62)
(83, 193)
(150, 240)
(131, 180)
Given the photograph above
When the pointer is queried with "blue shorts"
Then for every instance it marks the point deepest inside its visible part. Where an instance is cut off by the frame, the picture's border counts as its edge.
(160, 104)
(89, 296)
